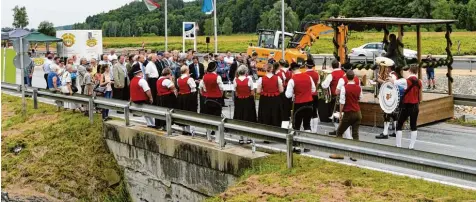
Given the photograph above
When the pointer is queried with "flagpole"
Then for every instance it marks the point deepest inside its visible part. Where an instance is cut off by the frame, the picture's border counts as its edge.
(282, 28)
(215, 22)
(166, 40)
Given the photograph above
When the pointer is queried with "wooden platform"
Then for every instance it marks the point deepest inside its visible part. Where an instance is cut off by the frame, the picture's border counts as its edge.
(435, 107)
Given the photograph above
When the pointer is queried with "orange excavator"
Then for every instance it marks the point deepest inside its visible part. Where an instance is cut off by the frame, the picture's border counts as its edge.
(298, 47)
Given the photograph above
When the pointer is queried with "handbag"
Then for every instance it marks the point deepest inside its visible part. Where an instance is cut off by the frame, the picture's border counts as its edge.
(100, 89)
(74, 89)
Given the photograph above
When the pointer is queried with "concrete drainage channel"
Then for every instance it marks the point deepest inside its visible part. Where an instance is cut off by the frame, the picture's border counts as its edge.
(434, 167)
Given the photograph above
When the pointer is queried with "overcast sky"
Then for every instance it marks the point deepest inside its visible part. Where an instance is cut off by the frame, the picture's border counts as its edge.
(59, 12)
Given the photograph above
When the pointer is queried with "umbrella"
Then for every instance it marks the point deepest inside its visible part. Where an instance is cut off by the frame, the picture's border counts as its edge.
(16, 33)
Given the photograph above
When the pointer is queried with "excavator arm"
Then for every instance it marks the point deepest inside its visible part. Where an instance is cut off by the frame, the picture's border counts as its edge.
(303, 40)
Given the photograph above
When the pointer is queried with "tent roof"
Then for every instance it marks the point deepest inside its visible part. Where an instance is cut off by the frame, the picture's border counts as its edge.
(39, 37)
(389, 21)
(5, 36)
(16, 33)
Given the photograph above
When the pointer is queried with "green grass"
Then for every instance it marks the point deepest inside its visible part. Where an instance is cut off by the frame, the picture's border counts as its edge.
(10, 71)
(62, 150)
(432, 42)
(319, 180)
(462, 122)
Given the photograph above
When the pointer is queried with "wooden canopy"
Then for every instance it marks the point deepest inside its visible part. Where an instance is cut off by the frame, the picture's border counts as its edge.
(389, 21)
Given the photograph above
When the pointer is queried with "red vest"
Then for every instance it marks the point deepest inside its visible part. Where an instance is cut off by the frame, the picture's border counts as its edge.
(184, 88)
(242, 88)
(288, 75)
(336, 75)
(137, 93)
(162, 90)
(270, 86)
(352, 94)
(281, 74)
(315, 78)
(356, 80)
(412, 96)
(213, 90)
(302, 88)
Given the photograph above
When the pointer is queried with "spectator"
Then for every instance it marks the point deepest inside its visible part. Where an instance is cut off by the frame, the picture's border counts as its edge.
(223, 69)
(129, 64)
(106, 82)
(74, 74)
(47, 68)
(66, 86)
(196, 69)
(105, 60)
(81, 72)
(94, 67)
(430, 73)
(113, 55)
(252, 65)
(189, 60)
(54, 83)
(205, 62)
(121, 82)
(87, 86)
(229, 59)
(152, 75)
(211, 57)
(28, 70)
(167, 59)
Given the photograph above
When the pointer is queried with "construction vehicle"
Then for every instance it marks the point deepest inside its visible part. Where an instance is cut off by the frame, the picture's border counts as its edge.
(297, 50)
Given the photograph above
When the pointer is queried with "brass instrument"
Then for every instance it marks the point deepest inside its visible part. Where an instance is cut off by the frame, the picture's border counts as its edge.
(383, 63)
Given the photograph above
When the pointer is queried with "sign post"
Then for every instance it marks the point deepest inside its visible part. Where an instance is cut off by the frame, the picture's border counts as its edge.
(20, 45)
(189, 30)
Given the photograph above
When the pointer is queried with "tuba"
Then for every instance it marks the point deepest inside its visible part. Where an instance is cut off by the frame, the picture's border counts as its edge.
(325, 92)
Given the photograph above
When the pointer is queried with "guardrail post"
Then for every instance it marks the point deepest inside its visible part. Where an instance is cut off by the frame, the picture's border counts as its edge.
(289, 149)
(91, 110)
(35, 98)
(253, 146)
(168, 122)
(126, 115)
(221, 133)
(470, 65)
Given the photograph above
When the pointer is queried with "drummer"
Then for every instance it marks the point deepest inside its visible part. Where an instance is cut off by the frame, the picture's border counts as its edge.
(384, 62)
(411, 99)
(331, 82)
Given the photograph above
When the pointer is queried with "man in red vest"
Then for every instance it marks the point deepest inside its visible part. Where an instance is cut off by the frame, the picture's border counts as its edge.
(302, 87)
(140, 91)
(315, 79)
(350, 94)
(330, 82)
(411, 100)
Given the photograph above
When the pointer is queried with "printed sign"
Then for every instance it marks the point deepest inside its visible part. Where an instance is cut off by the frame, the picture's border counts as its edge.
(82, 43)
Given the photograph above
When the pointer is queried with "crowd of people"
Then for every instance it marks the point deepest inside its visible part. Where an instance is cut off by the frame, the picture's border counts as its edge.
(181, 81)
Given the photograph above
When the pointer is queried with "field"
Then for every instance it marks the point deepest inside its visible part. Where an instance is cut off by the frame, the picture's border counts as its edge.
(63, 156)
(318, 180)
(432, 42)
(10, 70)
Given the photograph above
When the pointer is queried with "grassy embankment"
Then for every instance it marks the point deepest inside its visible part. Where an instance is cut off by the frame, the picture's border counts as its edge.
(432, 42)
(319, 180)
(63, 156)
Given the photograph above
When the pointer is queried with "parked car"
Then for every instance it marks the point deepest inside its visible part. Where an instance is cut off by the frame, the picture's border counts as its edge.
(376, 48)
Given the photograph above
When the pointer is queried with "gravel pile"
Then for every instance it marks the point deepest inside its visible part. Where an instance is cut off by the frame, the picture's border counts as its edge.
(461, 84)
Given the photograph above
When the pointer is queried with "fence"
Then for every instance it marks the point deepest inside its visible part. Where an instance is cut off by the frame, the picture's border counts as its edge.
(451, 166)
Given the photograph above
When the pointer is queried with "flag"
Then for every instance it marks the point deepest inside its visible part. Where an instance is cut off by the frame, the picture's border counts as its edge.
(151, 4)
(207, 6)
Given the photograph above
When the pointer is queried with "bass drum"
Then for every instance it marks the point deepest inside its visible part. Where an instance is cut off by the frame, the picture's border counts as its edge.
(389, 97)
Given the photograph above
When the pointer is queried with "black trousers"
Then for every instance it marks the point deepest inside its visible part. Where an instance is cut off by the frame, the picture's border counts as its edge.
(409, 110)
(125, 90)
(315, 104)
(46, 79)
(303, 115)
(389, 117)
(82, 89)
(153, 89)
(117, 93)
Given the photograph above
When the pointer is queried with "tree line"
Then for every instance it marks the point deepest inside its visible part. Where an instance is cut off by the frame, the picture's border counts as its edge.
(246, 16)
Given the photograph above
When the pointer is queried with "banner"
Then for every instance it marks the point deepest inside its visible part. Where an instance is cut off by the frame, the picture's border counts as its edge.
(82, 43)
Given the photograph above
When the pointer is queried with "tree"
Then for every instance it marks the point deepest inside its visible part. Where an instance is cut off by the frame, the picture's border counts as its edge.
(442, 10)
(47, 28)
(422, 8)
(272, 18)
(126, 27)
(140, 31)
(208, 27)
(471, 22)
(105, 28)
(154, 29)
(227, 27)
(20, 17)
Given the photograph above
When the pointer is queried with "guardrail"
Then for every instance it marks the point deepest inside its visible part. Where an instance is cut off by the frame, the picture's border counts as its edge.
(418, 160)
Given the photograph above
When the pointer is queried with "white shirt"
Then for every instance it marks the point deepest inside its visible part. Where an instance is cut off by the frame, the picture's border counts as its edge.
(241, 78)
(143, 84)
(166, 82)
(190, 82)
(342, 93)
(228, 60)
(325, 84)
(113, 57)
(219, 82)
(151, 70)
(403, 82)
(290, 89)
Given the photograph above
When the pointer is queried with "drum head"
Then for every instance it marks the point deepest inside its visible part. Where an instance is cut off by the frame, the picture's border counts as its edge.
(388, 97)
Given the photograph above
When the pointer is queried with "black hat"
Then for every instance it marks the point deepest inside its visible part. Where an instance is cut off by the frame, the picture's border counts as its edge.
(136, 68)
(346, 66)
(294, 66)
(310, 63)
(212, 66)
